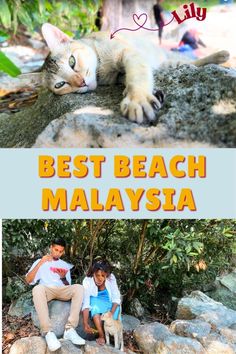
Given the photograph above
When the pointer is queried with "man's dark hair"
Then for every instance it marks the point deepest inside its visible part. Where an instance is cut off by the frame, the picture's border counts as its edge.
(59, 242)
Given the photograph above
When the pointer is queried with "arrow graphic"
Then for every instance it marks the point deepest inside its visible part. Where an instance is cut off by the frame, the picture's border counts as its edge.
(136, 20)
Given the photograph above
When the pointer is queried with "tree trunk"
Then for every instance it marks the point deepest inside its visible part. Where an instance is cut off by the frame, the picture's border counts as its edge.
(119, 13)
(140, 247)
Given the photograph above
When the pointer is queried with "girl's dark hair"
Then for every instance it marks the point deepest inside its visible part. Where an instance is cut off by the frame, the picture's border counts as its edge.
(103, 265)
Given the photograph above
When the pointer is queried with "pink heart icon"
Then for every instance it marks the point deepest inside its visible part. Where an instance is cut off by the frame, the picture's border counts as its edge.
(140, 20)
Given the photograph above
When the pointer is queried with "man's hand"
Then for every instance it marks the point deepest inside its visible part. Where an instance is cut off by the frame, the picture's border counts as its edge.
(46, 258)
(61, 272)
(31, 275)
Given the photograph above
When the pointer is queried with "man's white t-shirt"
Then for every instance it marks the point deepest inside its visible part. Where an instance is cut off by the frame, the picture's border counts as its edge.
(46, 274)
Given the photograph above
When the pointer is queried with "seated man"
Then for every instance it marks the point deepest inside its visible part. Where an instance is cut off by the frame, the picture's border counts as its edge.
(54, 279)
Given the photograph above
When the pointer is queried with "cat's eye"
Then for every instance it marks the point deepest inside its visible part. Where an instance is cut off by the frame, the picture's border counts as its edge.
(72, 61)
(60, 84)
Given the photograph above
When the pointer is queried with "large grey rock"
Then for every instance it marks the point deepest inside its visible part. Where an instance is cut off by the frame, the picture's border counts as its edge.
(229, 281)
(37, 345)
(67, 347)
(216, 347)
(94, 348)
(148, 335)
(229, 334)
(199, 305)
(233, 326)
(225, 290)
(156, 338)
(191, 328)
(224, 295)
(214, 343)
(22, 306)
(59, 312)
(179, 345)
(136, 308)
(130, 323)
(199, 110)
(32, 345)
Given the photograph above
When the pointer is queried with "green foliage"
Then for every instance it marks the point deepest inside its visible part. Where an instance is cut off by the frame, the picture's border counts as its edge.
(15, 288)
(173, 5)
(7, 66)
(73, 16)
(149, 256)
(5, 14)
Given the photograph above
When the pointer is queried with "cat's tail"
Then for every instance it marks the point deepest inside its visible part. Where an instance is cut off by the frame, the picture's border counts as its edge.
(215, 58)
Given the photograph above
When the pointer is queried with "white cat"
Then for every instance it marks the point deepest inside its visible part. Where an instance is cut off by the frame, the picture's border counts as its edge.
(80, 65)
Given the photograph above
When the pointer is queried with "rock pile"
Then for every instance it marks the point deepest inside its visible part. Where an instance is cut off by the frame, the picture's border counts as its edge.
(203, 326)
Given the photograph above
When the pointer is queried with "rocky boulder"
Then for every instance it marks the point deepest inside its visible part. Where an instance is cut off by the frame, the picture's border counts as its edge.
(199, 305)
(130, 323)
(37, 345)
(204, 326)
(59, 312)
(214, 343)
(225, 290)
(22, 306)
(29, 345)
(94, 348)
(136, 308)
(229, 334)
(191, 328)
(157, 338)
(179, 345)
(199, 110)
(148, 335)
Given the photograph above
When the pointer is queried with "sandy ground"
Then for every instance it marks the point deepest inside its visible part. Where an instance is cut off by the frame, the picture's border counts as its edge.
(217, 31)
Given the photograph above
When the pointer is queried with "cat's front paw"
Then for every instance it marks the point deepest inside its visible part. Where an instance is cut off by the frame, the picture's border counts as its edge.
(138, 106)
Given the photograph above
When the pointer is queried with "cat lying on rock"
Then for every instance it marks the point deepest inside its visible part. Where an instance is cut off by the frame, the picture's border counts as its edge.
(78, 66)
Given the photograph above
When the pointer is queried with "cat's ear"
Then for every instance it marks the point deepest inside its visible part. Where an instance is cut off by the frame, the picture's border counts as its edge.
(53, 36)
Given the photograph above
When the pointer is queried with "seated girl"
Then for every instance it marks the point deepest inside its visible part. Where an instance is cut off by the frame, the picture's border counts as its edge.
(101, 295)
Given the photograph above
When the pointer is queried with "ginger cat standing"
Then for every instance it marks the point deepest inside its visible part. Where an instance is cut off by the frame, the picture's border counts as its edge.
(113, 328)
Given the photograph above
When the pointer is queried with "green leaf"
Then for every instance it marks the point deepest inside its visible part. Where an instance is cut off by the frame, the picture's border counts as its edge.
(24, 18)
(41, 4)
(7, 66)
(174, 259)
(5, 14)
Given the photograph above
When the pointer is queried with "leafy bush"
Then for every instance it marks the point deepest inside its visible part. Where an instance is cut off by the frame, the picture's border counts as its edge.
(72, 16)
(173, 5)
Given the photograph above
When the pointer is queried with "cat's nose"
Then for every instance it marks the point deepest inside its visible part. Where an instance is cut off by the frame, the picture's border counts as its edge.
(78, 81)
(83, 83)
